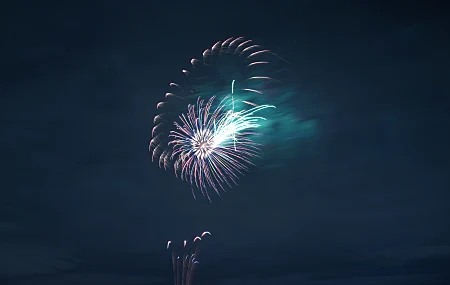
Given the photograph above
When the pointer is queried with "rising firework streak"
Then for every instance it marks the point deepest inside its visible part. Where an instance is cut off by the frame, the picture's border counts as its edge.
(185, 260)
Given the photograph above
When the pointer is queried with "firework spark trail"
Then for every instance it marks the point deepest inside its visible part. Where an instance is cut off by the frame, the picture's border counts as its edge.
(212, 147)
(184, 260)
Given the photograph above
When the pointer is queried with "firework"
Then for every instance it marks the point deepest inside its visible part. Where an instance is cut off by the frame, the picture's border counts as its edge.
(213, 146)
(185, 260)
(249, 64)
(250, 68)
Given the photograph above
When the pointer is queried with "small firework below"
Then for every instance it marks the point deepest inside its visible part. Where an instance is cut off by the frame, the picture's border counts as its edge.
(184, 260)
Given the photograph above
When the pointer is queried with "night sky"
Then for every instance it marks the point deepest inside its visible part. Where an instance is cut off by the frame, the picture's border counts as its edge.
(362, 202)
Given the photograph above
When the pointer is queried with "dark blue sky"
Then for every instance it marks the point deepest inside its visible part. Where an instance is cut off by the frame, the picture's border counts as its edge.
(365, 201)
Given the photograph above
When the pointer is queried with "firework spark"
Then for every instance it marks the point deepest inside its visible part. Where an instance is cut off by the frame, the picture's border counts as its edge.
(213, 146)
(185, 260)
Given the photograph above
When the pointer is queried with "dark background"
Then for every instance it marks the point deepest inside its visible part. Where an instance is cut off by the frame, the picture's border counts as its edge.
(365, 203)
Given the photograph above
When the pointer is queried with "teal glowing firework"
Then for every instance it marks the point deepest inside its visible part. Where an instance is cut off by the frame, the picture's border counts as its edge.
(213, 146)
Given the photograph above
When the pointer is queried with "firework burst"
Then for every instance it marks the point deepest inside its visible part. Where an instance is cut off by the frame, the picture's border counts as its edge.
(213, 146)
(185, 260)
(240, 59)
